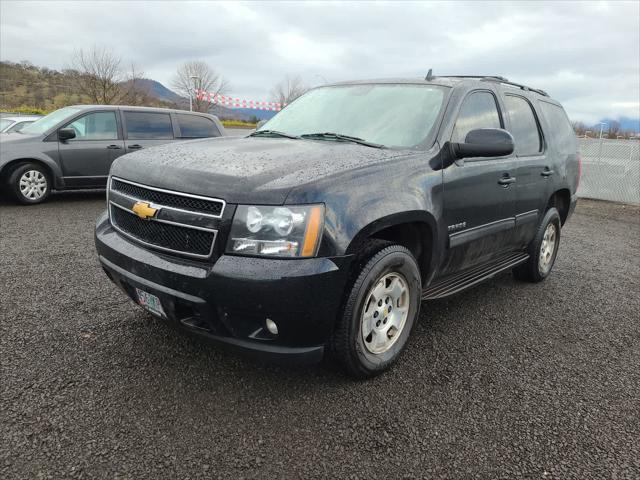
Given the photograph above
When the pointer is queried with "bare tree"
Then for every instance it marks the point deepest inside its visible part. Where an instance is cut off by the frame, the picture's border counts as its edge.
(193, 76)
(579, 128)
(98, 74)
(288, 90)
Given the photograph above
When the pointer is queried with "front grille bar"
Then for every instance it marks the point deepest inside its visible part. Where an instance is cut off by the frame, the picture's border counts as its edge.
(180, 231)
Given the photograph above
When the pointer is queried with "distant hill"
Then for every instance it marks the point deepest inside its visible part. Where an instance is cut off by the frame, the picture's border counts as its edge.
(159, 91)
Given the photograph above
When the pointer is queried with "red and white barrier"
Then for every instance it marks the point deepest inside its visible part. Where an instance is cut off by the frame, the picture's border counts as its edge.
(218, 99)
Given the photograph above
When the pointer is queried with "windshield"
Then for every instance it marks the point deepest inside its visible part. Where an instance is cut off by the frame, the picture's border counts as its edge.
(45, 123)
(399, 116)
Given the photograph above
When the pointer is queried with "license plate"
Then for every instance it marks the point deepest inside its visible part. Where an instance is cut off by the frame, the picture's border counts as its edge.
(150, 302)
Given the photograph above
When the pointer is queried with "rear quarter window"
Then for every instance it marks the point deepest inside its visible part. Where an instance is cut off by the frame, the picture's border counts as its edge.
(560, 129)
(194, 126)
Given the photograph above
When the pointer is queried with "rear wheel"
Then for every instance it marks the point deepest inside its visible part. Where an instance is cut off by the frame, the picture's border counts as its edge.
(30, 183)
(380, 310)
(542, 250)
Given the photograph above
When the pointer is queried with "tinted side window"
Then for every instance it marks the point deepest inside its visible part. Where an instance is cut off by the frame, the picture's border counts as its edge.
(524, 127)
(564, 138)
(148, 125)
(95, 126)
(479, 110)
(193, 126)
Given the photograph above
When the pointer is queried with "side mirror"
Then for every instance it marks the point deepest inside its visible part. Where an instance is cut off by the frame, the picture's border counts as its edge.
(65, 134)
(484, 142)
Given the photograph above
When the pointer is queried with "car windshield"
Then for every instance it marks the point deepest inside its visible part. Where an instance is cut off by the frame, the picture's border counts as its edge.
(43, 124)
(4, 123)
(393, 115)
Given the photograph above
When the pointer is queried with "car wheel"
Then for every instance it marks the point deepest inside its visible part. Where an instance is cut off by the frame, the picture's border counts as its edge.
(543, 250)
(30, 183)
(380, 310)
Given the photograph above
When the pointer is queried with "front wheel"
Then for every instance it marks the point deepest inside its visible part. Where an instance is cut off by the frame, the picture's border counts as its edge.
(380, 310)
(542, 250)
(30, 183)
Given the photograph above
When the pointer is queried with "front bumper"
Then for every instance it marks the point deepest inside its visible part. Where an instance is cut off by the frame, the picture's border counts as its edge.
(229, 301)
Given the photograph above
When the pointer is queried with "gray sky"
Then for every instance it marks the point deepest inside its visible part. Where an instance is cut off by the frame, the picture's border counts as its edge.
(585, 54)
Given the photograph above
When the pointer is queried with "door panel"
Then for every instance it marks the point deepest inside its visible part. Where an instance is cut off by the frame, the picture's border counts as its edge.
(479, 211)
(533, 169)
(86, 159)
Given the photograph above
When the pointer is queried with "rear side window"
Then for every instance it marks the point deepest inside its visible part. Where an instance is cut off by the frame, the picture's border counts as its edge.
(560, 128)
(524, 126)
(193, 126)
(479, 110)
(148, 125)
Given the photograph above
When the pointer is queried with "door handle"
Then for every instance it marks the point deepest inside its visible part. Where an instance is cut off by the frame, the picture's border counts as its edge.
(547, 172)
(114, 147)
(135, 146)
(506, 181)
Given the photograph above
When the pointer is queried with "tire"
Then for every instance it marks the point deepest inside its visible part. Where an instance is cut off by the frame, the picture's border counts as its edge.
(30, 183)
(368, 348)
(547, 237)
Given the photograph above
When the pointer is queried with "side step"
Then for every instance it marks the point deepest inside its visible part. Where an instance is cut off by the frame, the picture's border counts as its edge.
(459, 281)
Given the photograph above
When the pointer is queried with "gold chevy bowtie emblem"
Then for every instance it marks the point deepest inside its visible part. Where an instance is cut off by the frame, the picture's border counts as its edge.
(144, 210)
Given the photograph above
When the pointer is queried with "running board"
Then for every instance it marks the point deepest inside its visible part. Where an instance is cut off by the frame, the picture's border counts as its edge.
(460, 281)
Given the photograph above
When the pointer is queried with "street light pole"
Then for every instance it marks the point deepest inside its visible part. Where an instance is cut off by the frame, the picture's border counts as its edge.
(192, 77)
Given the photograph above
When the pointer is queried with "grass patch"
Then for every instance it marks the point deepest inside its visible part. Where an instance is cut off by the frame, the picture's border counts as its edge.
(238, 124)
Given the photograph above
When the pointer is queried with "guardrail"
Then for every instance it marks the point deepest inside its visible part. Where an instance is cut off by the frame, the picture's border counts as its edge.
(610, 170)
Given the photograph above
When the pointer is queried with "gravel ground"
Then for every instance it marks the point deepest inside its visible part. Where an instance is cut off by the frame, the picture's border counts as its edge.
(506, 380)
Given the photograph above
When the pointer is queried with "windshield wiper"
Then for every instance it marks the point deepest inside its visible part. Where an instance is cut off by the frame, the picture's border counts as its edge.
(272, 133)
(344, 138)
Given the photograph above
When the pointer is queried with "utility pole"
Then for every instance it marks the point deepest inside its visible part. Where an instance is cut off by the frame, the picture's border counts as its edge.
(192, 77)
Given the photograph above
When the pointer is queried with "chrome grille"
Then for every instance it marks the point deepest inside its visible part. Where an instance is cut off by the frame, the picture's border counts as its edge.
(176, 200)
(179, 224)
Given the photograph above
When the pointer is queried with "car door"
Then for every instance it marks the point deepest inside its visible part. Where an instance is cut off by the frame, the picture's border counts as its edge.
(479, 193)
(146, 129)
(533, 168)
(86, 159)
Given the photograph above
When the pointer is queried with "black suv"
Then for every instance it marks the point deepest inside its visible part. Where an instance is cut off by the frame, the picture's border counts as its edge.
(73, 148)
(324, 230)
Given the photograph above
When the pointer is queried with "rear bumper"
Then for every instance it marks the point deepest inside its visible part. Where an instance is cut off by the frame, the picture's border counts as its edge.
(229, 301)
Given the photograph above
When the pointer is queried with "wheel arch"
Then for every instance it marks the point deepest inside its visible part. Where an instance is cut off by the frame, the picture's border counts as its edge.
(51, 168)
(561, 200)
(415, 230)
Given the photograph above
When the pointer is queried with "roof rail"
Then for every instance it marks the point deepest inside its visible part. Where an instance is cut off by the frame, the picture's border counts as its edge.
(499, 79)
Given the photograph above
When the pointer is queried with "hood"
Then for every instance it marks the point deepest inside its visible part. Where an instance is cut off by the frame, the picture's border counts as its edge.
(245, 169)
(14, 139)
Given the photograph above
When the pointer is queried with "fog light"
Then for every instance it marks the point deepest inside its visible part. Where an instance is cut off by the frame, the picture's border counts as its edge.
(271, 326)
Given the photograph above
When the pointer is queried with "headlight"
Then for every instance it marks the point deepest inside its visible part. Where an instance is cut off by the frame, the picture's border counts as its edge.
(276, 231)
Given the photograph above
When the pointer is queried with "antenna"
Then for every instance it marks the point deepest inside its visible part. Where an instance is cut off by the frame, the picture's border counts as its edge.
(429, 76)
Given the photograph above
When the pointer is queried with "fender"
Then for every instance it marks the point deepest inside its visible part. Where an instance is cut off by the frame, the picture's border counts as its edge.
(20, 157)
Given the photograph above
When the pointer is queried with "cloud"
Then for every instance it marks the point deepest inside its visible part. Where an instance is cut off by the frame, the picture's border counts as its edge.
(587, 55)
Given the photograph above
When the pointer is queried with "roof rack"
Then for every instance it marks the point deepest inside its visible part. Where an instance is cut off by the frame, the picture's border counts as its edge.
(498, 79)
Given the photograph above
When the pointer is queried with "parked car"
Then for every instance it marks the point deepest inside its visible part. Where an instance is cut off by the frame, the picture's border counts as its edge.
(11, 124)
(323, 231)
(73, 148)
